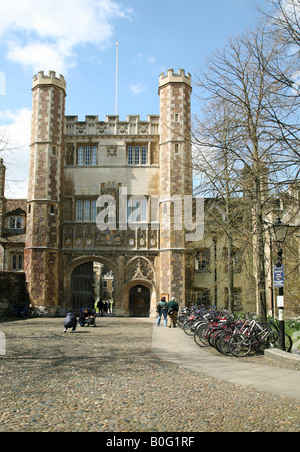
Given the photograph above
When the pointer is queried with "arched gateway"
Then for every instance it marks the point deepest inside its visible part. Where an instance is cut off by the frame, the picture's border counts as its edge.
(135, 291)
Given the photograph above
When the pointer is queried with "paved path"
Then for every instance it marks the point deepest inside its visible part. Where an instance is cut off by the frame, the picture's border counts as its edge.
(108, 379)
(174, 346)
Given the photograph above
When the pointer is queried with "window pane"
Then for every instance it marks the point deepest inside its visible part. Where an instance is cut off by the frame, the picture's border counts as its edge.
(20, 262)
(137, 155)
(80, 156)
(144, 155)
(79, 207)
(130, 155)
(86, 210)
(87, 159)
(94, 211)
(144, 211)
(133, 211)
(137, 211)
(94, 155)
(14, 262)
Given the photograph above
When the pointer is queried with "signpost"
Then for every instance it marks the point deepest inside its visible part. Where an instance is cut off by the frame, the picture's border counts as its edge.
(279, 276)
(279, 282)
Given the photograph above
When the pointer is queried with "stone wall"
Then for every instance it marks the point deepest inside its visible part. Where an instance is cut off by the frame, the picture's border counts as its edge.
(12, 289)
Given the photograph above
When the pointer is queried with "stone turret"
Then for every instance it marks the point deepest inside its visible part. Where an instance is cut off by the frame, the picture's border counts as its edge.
(43, 258)
(175, 176)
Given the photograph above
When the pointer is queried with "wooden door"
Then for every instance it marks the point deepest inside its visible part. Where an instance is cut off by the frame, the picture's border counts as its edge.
(139, 301)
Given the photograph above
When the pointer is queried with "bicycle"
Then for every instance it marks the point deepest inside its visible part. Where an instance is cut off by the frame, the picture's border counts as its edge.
(20, 311)
(256, 337)
(41, 311)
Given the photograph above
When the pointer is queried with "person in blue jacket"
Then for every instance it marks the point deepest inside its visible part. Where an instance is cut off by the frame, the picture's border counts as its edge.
(162, 310)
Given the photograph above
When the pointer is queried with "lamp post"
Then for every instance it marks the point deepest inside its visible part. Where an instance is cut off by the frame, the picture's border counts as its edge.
(279, 233)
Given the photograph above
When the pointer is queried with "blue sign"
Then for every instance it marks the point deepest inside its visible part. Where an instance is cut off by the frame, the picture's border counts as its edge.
(279, 276)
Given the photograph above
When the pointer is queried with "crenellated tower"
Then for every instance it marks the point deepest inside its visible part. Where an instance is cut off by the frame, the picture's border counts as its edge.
(43, 256)
(175, 179)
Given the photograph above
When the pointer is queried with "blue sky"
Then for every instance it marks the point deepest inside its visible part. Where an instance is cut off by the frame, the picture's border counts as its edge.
(78, 39)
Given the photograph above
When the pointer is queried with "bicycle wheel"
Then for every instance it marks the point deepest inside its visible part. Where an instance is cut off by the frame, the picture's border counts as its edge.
(45, 313)
(27, 313)
(274, 341)
(199, 336)
(187, 328)
(239, 346)
(212, 337)
(222, 343)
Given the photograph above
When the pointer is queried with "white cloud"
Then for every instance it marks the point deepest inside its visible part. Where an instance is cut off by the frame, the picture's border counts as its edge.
(50, 31)
(37, 56)
(14, 142)
(2, 84)
(137, 88)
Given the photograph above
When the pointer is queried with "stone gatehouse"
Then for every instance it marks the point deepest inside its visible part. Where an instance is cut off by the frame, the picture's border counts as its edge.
(73, 163)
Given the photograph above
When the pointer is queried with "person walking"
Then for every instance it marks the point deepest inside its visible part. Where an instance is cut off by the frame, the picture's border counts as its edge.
(100, 306)
(162, 311)
(172, 311)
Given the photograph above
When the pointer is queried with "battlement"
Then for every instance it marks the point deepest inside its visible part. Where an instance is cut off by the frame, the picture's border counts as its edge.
(111, 126)
(41, 80)
(175, 77)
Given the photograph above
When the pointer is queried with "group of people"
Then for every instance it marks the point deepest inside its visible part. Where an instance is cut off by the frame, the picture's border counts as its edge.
(104, 307)
(86, 317)
(169, 311)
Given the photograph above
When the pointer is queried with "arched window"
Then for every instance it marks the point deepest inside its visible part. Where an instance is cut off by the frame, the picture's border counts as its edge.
(18, 262)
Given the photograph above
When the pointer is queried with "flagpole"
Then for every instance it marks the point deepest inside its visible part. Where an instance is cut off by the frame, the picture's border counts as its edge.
(117, 56)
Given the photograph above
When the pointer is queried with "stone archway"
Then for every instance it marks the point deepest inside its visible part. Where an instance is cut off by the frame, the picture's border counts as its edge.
(78, 281)
(139, 272)
(147, 288)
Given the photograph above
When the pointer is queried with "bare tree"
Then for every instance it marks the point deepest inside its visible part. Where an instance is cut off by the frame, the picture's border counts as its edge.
(284, 18)
(258, 109)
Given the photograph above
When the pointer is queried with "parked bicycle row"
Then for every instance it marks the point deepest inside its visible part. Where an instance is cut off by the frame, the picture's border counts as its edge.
(26, 312)
(229, 334)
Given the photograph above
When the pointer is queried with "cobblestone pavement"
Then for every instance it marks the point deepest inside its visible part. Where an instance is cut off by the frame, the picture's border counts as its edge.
(106, 379)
